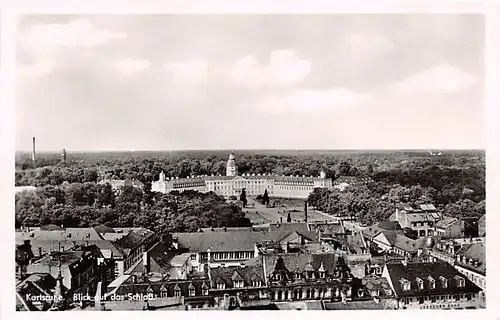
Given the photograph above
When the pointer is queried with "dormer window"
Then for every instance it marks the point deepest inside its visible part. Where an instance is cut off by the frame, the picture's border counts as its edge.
(177, 292)
(405, 284)
(460, 282)
(192, 292)
(420, 283)
(163, 292)
(239, 284)
(322, 274)
(221, 286)
(444, 282)
(432, 282)
(204, 290)
(298, 275)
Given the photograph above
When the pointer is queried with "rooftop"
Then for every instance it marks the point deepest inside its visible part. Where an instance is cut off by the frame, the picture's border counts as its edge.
(248, 274)
(475, 252)
(427, 272)
(134, 238)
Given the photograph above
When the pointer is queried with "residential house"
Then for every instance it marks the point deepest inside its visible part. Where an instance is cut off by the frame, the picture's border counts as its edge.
(52, 238)
(217, 248)
(305, 276)
(372, 231)
(434, 285)
(232, 247)
(393, 242)
(443, 250)
(238, 286)
(133, 245)
(449, 228)
(163, 261)
(344, 182)
(192, 294)
(420, 220)
(470, 260)
(80, 270)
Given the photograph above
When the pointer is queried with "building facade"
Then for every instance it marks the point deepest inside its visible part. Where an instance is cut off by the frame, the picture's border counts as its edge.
(422, 220)
(305, 276)
(232, 184)
(436, 285)
(449, 228)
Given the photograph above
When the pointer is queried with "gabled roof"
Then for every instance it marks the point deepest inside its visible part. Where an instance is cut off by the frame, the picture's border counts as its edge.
(229, 241)
(476, 252)
(236, 276)
(405, 243)
(399, 241)
(134, 238)
(104, 229)
(445, 222)
(398, 271)
(228, 275)
(157, 287)
(304, 261)
(240, 240)
(379, 227)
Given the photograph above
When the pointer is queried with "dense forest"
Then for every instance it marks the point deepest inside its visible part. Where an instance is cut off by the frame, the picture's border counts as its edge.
(68, 192)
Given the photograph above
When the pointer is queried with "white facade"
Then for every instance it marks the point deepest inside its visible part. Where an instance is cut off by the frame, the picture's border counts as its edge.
(233, 184)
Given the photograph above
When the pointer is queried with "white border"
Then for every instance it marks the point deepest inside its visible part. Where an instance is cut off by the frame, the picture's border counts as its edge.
(8, 12)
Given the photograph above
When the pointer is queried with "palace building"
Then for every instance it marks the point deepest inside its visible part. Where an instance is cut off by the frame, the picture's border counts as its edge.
(232, 184)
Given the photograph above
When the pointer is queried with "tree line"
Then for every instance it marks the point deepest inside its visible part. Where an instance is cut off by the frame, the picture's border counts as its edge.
(69, 193)
(89, 204)
(376, 202)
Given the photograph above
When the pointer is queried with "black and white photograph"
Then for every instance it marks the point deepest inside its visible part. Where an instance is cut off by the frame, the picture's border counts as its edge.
(250, 162)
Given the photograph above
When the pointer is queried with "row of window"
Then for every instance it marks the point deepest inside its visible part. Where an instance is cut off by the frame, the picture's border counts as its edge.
(480, 281)
(432, 283)
(308, 275)
(239, 284)
(177, 293)
(231, 255)
(435, 299)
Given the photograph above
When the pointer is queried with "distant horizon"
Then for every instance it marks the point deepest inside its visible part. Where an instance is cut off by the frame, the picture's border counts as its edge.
(255, 149)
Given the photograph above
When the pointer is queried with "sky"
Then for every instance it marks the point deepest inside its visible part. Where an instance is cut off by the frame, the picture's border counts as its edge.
(175, 82)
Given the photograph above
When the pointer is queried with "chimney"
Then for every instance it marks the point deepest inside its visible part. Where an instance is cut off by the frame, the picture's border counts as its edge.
(33, 154)
(145, 262)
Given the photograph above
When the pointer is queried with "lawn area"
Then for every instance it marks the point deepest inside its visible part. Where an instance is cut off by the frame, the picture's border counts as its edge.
(299, 215)
(256, 218)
